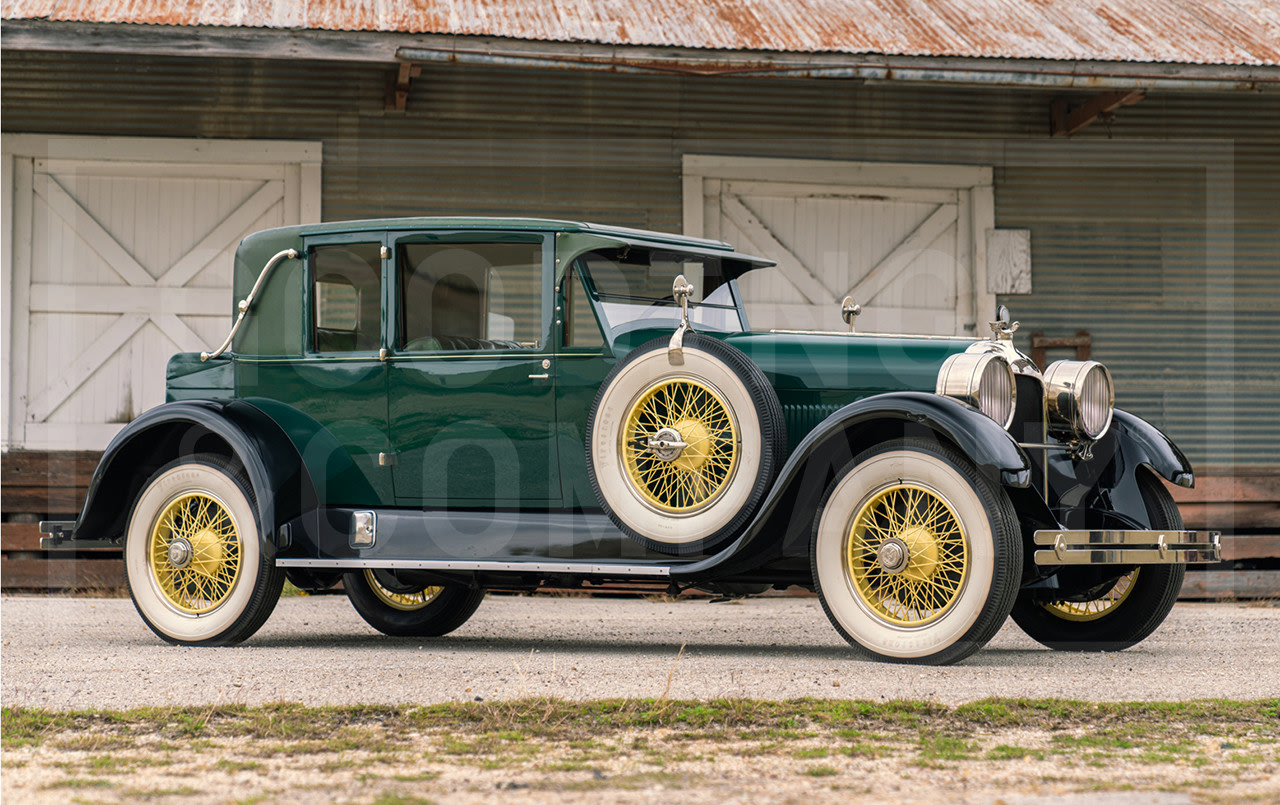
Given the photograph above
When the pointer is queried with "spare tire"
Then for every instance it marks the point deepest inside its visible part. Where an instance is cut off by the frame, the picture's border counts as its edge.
(680, 455)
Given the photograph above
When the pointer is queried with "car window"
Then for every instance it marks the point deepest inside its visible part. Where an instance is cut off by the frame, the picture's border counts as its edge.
(580, 326)
(469, 296)
(346, 294)
(634, 288)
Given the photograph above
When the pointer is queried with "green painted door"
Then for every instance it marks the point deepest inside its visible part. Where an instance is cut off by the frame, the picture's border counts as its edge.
(336, 378)
(471, 374)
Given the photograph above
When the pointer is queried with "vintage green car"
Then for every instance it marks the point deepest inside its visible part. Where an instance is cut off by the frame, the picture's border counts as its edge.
(426, 408)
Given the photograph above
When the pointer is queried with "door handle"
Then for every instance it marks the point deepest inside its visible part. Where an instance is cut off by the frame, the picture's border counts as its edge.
(542, 376)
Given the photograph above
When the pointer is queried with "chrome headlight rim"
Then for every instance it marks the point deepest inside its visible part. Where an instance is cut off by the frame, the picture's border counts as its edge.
(1080, 399)
(984, 380)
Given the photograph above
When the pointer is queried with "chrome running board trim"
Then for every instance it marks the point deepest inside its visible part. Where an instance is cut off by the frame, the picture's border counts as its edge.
(576, 568)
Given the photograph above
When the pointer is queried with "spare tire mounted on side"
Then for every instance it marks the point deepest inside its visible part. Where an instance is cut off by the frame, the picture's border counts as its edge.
(680, 455)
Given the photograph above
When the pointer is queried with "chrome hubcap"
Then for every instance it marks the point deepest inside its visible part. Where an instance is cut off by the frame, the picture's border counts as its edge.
(179, 553)
(893, 556)
(666, 444)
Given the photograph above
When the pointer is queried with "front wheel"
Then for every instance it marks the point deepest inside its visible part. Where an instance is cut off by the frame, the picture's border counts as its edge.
(193, 559)
(1120, 612)
(409, 609)
(916, 555)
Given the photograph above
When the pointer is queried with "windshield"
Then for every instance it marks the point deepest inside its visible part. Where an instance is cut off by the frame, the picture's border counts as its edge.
(634, 288)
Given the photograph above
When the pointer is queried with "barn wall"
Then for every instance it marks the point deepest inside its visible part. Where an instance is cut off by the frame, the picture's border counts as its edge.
(1156, 233)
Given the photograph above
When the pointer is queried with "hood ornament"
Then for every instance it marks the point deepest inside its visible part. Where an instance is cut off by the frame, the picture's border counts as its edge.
(849, 311)
(1001, 329)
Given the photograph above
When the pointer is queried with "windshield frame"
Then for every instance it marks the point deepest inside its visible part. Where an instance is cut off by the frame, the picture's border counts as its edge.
(603, 302)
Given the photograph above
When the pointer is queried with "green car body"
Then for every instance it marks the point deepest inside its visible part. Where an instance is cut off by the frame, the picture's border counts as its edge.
(463, 456)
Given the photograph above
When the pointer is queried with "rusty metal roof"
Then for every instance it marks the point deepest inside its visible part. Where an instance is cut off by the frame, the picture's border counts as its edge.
(1215, 32)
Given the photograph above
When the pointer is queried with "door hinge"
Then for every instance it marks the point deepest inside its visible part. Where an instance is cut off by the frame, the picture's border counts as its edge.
(384, 253)
(386, 459)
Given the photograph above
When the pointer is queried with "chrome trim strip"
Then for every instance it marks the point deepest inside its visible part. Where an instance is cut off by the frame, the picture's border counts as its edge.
(1107, 547)
(580, 568)
(880, 335)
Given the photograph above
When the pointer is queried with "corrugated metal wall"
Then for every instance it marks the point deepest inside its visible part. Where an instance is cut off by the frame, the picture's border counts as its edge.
(1157, 233)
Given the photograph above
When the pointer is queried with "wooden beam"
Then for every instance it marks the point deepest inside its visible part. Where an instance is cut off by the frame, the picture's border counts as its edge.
(1065, 121)
(130, 299)
(789, 264)
(902, 255)
(398, 98)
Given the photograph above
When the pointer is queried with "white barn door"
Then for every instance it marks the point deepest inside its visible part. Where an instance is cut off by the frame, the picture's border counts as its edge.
(907, 242)
(121, 255)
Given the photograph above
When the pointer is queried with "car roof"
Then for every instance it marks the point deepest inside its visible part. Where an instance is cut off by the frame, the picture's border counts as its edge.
(499, 223)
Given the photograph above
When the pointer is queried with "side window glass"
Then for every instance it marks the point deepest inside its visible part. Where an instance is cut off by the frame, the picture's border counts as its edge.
(470, 296)
(346, 294)
(580, 326)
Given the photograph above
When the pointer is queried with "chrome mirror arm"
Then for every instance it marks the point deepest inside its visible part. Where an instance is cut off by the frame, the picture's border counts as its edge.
(681, 290)
(247, 302)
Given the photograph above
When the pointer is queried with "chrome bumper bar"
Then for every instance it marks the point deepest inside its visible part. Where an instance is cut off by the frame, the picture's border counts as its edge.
(1128, 547)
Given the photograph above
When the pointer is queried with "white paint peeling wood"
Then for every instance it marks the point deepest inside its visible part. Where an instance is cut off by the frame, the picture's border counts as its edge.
(1009, 261)
(899, 238)
(121, 256)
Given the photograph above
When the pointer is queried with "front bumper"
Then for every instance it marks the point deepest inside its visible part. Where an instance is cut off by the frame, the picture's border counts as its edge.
(1128, 547)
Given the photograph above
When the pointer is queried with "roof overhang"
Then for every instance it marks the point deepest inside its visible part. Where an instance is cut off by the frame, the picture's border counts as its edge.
(394, 48)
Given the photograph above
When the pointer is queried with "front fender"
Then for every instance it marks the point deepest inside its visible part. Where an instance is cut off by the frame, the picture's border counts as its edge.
(781, 527)
(281, 484)
(1106, 486)
(1144, 443)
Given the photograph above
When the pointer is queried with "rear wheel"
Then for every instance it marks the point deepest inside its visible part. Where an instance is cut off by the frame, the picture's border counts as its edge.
(1119, 612)
(916, 555)
(193, 559)
(409, 609)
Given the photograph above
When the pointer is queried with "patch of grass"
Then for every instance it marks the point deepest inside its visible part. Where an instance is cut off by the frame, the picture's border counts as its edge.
(94, 742)
(81, 782)
(400, 799)
(1006, 752)
(420, 777)
(944, 747)
(234, 766)
(821, 771)
(157, 793)
(809, 754)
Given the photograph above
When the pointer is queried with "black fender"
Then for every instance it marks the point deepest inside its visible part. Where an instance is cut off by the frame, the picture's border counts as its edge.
(782, 526)
(233, 428)
(1105, 485)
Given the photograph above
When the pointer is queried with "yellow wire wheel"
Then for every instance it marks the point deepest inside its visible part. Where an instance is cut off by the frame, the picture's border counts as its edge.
(907, 555)
(1100, 607)
(194, 552)
(403, 601)
(680, 445)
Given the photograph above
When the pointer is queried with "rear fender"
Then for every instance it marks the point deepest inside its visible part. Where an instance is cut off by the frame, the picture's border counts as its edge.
(234, 429)
(782, 527)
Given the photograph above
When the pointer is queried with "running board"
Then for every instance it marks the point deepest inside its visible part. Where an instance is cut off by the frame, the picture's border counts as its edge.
(485, 566)
(1128, 547)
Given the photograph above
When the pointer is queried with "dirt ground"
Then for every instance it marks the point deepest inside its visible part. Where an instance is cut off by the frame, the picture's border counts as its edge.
(627, 751)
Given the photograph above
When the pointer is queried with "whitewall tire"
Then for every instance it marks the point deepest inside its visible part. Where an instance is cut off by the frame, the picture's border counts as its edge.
(193, 560)
(916, 555)
(680, 454)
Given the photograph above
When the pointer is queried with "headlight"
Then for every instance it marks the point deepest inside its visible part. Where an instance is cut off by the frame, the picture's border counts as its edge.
(1080, 398)
(984, 380)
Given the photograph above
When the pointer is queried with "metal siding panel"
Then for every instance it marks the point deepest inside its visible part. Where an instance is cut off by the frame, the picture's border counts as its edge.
(1185, 308)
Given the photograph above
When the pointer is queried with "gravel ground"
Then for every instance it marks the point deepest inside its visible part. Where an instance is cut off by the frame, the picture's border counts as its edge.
(72, 653)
